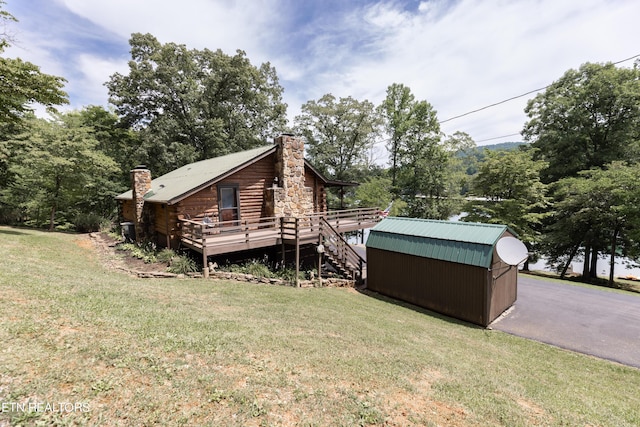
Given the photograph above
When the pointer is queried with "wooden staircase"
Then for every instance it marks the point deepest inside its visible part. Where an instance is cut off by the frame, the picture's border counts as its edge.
(340, 254)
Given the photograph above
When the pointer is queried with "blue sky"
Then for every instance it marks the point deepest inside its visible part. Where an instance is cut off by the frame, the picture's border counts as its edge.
(458, 55)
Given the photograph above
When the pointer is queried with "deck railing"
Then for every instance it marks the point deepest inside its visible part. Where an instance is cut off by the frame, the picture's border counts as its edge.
(199, 233)
(211, 238)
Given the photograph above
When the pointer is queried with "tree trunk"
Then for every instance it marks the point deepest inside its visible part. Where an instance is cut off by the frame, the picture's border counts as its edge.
(566, 266)
(54, 204)
(614, 242)
(52, 217)
(593, 271)
(587, 261)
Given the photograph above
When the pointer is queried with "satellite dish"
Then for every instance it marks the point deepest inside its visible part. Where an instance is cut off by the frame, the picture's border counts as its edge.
(511, 250)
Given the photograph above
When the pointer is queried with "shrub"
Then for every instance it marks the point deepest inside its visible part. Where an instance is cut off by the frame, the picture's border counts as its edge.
(258, 269)
(182, 264)
(254, 267)
(87, 223)
(166, 255)
(147, 253)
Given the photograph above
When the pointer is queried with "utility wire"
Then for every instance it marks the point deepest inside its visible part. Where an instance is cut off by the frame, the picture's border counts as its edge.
(498, 137)
(516, 97)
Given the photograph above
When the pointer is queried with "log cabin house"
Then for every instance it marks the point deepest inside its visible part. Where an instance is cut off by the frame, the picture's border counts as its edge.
(258, 198)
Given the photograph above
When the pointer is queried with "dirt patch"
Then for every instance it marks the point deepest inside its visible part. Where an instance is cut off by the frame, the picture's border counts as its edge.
(417, 407)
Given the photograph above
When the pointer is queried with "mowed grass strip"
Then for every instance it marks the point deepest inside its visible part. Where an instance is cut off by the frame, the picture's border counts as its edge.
(204, 352)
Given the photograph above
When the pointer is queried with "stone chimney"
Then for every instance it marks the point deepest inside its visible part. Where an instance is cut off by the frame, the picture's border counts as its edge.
(291, 198)
(140, 185)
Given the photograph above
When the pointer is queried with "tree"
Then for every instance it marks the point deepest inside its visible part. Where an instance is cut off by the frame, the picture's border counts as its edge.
(422, 164)
(509, 181)
(588, 118)
(424, 177)
(114, 139)
(195, 104)
(60, 174)
(397, 109)
(24, 84)
(375, 193)
(464, 161)
(339, 135)
(598, 211)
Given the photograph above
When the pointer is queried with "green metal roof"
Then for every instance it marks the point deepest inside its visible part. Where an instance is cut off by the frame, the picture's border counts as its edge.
(460, 242)
(182, 182)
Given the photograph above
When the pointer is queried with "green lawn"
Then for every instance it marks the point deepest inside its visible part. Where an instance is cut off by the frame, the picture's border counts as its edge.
(202, 352)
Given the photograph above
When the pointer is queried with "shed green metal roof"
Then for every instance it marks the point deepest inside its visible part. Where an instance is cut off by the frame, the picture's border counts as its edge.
(180, 183)
(460, 242)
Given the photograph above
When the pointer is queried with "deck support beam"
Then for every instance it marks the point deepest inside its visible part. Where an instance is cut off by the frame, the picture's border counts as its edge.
(205, 265)
(297, 252)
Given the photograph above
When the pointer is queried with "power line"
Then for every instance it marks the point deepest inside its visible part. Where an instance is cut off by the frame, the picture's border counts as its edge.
(518, 96)
(498, 137)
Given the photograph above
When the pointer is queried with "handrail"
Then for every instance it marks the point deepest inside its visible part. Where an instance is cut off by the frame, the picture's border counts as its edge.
(345, 252)
(197, 232)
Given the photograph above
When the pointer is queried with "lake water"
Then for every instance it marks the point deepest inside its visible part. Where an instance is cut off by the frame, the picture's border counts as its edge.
(620, 269)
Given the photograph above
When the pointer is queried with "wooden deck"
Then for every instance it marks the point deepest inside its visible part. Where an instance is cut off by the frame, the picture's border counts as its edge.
(233, 236)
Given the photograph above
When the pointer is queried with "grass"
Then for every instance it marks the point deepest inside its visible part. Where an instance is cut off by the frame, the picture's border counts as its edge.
(203, 352)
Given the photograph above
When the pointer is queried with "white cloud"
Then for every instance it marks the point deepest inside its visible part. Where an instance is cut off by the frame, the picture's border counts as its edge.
(463, 56)
(93, 72)
(458, 55)
(228, 25)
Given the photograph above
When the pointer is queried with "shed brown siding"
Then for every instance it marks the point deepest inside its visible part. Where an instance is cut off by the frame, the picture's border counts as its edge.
(504, 287)
(456, 290)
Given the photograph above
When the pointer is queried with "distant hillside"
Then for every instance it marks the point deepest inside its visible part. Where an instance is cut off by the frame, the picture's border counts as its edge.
(502, 146)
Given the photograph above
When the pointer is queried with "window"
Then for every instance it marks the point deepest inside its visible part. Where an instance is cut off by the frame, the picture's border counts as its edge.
(229, 204)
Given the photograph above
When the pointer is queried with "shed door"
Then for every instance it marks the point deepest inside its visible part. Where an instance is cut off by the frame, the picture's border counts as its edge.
(229, 204)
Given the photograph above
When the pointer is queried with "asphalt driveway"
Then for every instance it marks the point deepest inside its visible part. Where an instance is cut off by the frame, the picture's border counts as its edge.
(591, 321)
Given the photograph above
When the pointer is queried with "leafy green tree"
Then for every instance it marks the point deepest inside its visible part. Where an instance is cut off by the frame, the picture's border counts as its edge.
(509, 182)
(375, 192)
(398, 114)
(195, 104)
(423, 169)
(339, 135)
(60, 174)
(23, 84)
(114, 139)
(463, 163)
(588, 118)
(597, 212)
(424, 177)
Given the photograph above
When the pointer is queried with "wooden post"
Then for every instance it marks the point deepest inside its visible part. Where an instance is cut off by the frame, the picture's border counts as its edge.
(297, 256)
(282, 240)
(165, 208)
(320, 259)
(205, 266)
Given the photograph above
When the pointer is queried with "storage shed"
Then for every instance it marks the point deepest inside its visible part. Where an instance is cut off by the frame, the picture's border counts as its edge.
(454, 268)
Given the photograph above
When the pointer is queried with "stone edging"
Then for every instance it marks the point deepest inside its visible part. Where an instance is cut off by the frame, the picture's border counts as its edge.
(241, 277)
